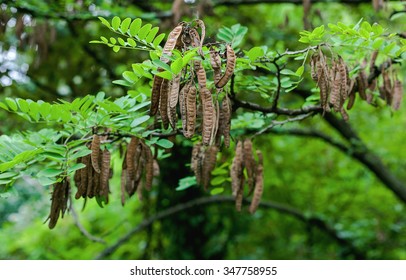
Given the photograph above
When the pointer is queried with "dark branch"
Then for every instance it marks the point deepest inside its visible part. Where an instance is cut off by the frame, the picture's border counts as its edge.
(285, 209)
(298, 2)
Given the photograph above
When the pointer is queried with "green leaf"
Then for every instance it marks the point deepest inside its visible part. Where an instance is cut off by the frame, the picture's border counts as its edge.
(151, 35)
(130, 76)
(139, 121)
(49, 172)
(104, 39)
(255, 52)
(11, 104)
(218, 180)
(135, 27)
(46, 181)
(300, 70)
(164, 143)
(176, 66)
(116, 48)
(378, 43)
(131, 42)
(158, 39)
(125, 24)
(142, 34)
(121, 41)
(186, 183)
(105, 22)
(165, 74)
(216, 191)
(75, 167)
(115, 22)
(113, 40)
(8, 175)
(4, 106)
(81, 152)
(122, 83)
(23, 104)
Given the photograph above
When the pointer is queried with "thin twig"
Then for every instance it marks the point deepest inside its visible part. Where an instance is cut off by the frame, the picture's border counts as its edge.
(81, 228)
(285, 209)
(281, 123)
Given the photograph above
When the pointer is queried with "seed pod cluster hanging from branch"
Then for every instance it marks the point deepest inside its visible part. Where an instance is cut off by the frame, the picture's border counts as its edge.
(60, 196)
(245, 164)
(93, 180)
(203, 162)
(137, 169)
(189, 87)
(336, 86)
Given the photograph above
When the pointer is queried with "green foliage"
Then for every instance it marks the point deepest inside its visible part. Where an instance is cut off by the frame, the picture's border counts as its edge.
(136, 36)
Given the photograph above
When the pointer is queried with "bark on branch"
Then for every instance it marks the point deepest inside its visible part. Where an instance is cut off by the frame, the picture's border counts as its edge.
(285, 209)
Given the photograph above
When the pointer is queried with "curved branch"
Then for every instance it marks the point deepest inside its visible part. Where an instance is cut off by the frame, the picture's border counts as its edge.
(285, 209)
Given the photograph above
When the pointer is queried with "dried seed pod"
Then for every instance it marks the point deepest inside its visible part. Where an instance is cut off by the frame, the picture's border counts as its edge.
(239, 197)
(195, 155)
(105, 174)
(259, 185)
(208, 115)
(129, 158)
(163, 103)
(226, 112)
(122, 185)
(387, 85)
(183, 106)
(344, 114)
(155, 95)
(313, 67)
(249, 164)
(397, 94)
(362, 84)
(90, 183)
(344, 79)
(200, 23)
(351, 100)
(172, 116)
(95, 147)
(84, 176)
(231, 58)
(372, 61)
(59, 204)
(190, 112)
(237, 169)
(196, 41)
(210, 156)
(174, 91)
(335, 91)
(200, 73)
(215, 62)
(149, 167)
(323, 85)
(171, 42)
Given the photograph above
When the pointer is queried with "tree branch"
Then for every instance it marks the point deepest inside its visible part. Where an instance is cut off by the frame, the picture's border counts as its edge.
(285, 209)
(298, 2)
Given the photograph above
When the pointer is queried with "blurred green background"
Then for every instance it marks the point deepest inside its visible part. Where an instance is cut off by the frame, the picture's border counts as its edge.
(340, 210)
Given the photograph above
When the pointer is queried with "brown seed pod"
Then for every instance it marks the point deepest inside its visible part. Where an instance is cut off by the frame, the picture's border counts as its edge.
(226, 111)
(344, 114)
(129, 158)
(313, 67)
(157, 171)
(387, 85)
(208, 115)
(174, 91)
(215, 62)
(397, 95)
(59, 204)
(259, 185)
(122, 185)
(172, 116)
(351, 100)
(183, 106)
(200, 23)
(190, 112)
(372, 61)
(149, 167)
(362, 84)
(231, 58)
(197, 162)
(95, 147)
(163, 103)
(335, 91)
(171, 42)
(90, 183)
(200, 73)
(344, 79)
(155, 95)
(105, 174)
(210, 156)
(323, 85)
(239, 197)
(237, 169)
(84, 176)
(249, 164)
(196, 41)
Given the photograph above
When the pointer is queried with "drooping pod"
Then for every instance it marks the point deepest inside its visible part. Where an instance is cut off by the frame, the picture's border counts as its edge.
(259, 185)
(190, 112)
(95, 148)
(208, 115)
(231, 59)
